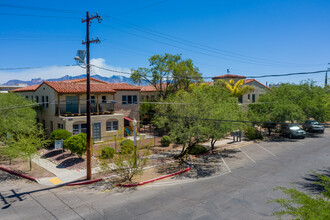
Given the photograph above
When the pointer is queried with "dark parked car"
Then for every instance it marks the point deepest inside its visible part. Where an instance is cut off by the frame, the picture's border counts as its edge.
(311, 125)
(292, 131)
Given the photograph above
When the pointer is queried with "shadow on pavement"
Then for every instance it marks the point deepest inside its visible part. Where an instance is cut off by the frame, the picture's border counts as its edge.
(70, 162)
(311, 181)
(228, 153)
(52, 153)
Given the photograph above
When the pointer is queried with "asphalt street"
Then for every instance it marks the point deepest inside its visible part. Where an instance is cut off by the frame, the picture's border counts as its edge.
(241, 191)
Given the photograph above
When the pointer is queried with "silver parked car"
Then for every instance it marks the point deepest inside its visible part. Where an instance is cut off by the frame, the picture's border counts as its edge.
(311, 125)
(292, 131)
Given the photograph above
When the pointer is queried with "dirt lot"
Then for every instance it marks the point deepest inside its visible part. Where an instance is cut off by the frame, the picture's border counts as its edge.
(23, 167)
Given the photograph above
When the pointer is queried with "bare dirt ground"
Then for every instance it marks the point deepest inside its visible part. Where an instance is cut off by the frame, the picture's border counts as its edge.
(23, 167)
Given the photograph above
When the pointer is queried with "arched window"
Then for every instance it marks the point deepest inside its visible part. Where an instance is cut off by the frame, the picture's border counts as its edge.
(112, 125)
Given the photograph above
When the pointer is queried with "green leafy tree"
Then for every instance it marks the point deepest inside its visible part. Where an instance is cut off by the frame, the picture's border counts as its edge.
(16, 119)
(167, 73)
(77, 144)
(290, 102)
(28, 145)
(184, 118)
(300, 205)
(238, 89)
(60, 134)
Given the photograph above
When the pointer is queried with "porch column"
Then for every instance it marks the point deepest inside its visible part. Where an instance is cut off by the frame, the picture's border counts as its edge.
(79, 104)
(58, 105)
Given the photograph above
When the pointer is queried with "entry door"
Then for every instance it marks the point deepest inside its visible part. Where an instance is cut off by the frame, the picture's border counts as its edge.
(72, 104)
(97, 131)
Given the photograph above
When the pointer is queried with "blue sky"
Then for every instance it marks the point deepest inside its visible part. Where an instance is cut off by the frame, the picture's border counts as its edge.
(248, 37)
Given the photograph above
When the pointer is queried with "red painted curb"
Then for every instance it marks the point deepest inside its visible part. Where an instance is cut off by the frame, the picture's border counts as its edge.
(18, 174)
(84, 183)
(152, 180)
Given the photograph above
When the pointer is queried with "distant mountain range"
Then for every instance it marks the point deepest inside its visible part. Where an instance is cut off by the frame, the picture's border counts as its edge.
(112, 79)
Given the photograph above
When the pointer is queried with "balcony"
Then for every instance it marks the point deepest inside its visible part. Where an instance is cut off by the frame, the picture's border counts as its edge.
(69, 110)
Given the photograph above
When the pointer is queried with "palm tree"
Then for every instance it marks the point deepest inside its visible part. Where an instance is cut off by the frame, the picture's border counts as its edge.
(238, 89)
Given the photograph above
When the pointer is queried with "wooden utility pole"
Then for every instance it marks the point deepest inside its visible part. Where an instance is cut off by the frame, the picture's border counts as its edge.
(88, 94)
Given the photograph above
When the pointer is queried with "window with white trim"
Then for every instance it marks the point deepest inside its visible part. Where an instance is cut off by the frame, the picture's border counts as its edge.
(79, 128)
(112, 125)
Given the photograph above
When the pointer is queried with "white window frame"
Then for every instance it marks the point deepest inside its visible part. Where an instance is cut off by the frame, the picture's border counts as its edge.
(79, 129)
(129, 99)
(110, 125)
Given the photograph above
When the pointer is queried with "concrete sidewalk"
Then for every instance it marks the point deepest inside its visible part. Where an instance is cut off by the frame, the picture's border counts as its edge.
(63, 175)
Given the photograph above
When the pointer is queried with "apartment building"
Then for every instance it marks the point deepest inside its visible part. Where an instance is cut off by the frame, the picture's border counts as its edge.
(114, 106)
(248, 98)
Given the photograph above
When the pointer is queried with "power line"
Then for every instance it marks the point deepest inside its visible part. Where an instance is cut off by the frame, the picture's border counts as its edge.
(38, 16)
(201, 46)
(35, 67)
(210, 77)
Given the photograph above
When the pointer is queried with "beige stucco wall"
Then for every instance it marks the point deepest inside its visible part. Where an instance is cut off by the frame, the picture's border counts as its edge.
(131, 110)
(70, 121)
(258, 90)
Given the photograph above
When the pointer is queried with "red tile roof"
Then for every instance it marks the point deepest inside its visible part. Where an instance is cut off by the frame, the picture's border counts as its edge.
(228, 76)
(123, 86)
(73, 86)
(82, 80)
(65, 87)
(247, 81)
(152, 88)
(26, 89)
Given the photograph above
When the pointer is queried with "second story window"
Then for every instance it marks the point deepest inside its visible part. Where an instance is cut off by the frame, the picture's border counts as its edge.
(43, 101)
(104, 99)
(129, 99)
(92, 99)
(37, 99)
(47, 102)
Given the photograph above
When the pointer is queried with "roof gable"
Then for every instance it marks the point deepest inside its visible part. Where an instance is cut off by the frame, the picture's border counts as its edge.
(247, 81)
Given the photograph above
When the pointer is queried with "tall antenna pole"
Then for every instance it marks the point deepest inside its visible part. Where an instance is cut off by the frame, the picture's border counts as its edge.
(88, 94)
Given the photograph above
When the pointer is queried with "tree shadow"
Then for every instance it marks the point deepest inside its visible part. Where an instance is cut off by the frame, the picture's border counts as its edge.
(228, 153)
(70, 162)
(52, 153)
(311, 181)
(63, 156)
(4, 176)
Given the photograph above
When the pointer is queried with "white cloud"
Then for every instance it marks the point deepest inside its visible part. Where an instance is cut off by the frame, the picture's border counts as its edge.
(51, 72)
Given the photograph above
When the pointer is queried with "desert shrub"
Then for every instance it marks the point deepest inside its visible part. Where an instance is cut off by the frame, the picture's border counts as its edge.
(252, 133)
(126, 146)
(107, 153)
(59, 134)
(300, 205)
(77, 144)
(197, 149)
(166, 141)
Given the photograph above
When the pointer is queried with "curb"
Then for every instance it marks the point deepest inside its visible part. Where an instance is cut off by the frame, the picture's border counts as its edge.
(89, 181)
(18, 174)
(84, 183)
(152, 180)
